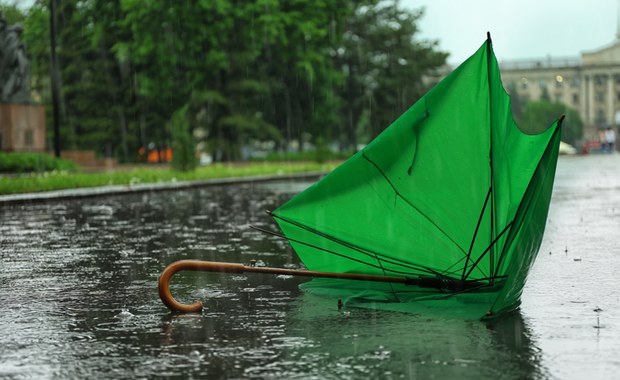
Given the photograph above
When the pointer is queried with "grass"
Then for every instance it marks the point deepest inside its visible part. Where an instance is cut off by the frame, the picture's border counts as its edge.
(320, 155)
(58, 180)
(26, 162)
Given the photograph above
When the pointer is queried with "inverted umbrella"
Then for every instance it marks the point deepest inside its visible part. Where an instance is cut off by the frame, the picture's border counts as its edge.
(445, 209)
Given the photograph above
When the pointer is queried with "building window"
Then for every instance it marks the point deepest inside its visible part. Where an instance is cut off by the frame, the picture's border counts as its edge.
(28, 138)
(575, 82)
(600, 117)
(600, 96)
(599, 80)
(575, 98)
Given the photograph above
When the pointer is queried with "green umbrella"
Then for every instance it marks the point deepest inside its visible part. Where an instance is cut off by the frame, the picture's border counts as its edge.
(453, 191)
(444, 212)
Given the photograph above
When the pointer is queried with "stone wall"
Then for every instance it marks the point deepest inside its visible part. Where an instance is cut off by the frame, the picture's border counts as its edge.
(22, 127)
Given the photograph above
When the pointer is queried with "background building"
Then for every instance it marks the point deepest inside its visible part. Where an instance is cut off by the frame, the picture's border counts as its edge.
(589, 84)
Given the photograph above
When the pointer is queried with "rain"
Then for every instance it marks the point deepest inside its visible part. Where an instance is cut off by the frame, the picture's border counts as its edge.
(116, 87)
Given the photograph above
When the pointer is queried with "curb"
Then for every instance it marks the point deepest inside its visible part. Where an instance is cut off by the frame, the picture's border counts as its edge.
(91, 192)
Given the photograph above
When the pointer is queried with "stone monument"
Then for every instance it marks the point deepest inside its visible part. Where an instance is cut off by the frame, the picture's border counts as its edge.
(22, 123)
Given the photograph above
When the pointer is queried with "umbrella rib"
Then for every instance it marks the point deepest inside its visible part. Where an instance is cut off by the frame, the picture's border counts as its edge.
(473, 239)
(364, 251)
(475, 264)
(411, 204)
(319, 248)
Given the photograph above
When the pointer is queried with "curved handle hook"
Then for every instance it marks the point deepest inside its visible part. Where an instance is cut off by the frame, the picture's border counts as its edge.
(189, 265)
(166, 295)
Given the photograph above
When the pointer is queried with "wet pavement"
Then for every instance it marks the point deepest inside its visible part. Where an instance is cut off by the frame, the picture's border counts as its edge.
(78, 283)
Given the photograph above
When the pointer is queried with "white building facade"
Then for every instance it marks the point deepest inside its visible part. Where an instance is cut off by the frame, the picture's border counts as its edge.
(589, 84)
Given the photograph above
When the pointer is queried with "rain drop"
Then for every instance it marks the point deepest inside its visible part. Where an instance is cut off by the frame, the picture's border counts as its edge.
(124, 314)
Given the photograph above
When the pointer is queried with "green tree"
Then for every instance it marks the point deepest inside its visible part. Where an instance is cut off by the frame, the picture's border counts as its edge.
(384, 64)
(297, 65)
(538, 115)
(204, 56)
(96, 84)
(162, 37)
(183, 144)
(266, 70)
(12, 12)
(37, 39)
(516, 102)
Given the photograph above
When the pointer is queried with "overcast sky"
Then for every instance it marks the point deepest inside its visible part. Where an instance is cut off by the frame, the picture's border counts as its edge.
(520, 29)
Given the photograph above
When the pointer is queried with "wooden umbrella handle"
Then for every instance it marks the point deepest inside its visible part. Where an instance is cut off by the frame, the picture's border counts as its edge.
(190, 265)
(446, 284)
(221, 267)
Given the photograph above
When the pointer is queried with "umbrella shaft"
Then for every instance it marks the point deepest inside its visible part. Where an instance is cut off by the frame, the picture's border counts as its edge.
(221, 267)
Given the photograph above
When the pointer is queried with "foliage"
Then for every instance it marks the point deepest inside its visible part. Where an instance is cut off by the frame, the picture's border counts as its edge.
(321, 151)
(32, 162)
(517, 103)
(383, 64)
(12, 13)
(183, 145)
(282, 71)
(538, 115)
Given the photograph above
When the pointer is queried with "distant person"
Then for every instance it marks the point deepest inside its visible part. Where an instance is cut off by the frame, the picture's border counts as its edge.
(610, 139)
(602, 138)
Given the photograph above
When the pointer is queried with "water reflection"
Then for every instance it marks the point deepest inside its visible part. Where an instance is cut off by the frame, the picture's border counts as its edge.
(79, 290)
(383, 344)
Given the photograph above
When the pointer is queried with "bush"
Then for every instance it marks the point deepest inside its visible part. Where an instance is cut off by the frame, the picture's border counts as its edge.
(33, 162)
(183, 145)
(322, 153)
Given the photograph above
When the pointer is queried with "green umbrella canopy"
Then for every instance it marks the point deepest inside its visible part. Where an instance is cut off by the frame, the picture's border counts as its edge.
(453, 189)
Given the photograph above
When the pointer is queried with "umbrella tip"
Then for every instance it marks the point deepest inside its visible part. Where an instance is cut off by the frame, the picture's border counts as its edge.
(489, 36)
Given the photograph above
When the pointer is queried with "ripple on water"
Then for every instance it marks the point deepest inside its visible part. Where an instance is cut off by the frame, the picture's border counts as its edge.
(70, 269)
(124, 315)
(214, 293)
